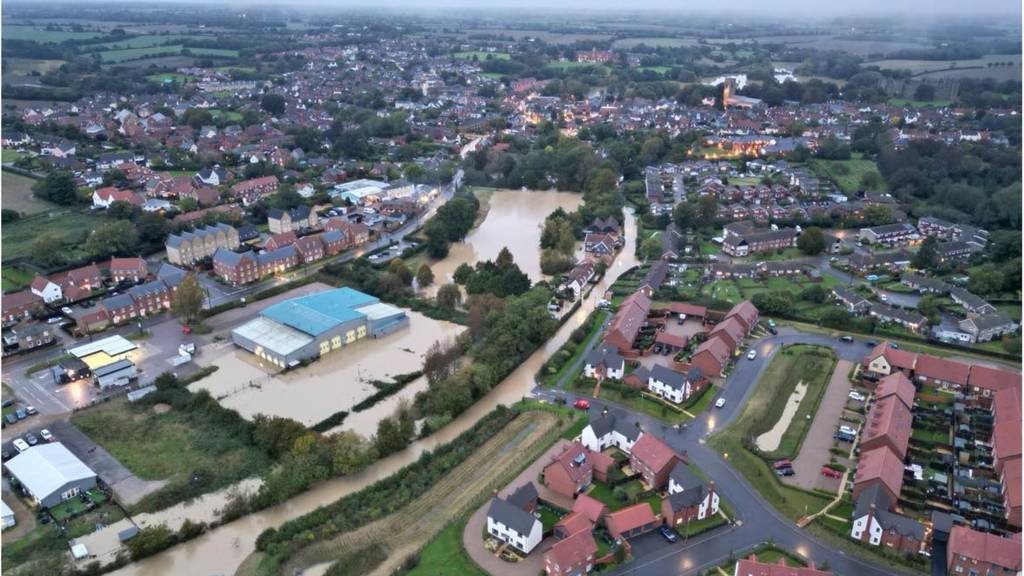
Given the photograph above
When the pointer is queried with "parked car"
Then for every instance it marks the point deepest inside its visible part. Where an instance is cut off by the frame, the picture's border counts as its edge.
(67, 310)
(46, 435)
(847, 339)
(752, 354)
(31, 410)
(829, 472)
(7, 402)
(784, 472)
(844, 437)
(31, 439)
(186, 329)
(720, 403)
(5, 455)
(871, 278)
(20, 445)
(854, 395)
(847, 430)
(773, 330)
(782, 464)
(582, 404)
(885, 298)
(871, 343)
(668, 534)
(10, 418)
(21, 414)
(894, 345)
(55, 320)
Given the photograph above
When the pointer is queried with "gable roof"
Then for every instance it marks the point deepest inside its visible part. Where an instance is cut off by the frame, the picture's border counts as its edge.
(982, 546)
(615, 420)
(512, 516)
(524, 495)
(718, 349)
(896, 384)
(592, 508)
(653, 452)
(753, 567)
(896, 358)
(880, 464)
(889, 418)
(746, 312)
(942, 369)
(732, 326)
(46, 468)
(575, 460)
(629, 518)
(573, 550)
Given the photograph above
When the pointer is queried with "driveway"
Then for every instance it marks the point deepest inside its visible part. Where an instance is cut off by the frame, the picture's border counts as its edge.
(25, 519)
(128, 487)
(814, 452)
(534, 562)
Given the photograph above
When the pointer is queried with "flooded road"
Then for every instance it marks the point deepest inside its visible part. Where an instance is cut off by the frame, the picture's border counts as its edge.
(335, 382)
(222, 550)
(514, 220)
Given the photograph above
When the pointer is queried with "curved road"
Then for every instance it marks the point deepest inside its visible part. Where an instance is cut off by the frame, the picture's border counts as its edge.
(756, 520)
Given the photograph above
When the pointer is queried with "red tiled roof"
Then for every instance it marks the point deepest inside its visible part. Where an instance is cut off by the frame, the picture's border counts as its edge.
(942, 369)
(880, 464)
(84, 273)
(567, 460)
(653, 452)
(732, 326)
(982, 546)
(717, 347)
(1006, 434)
(746, 312)
(20, 299)
(890, 418)
(754, 567)
(1011, 480)
(574, 549)
(39, 283)
(247, 185)
(664, 337)
(629, 318)
(896, 384)
(993, 378)
(573, 522)
(629, 518)
(592, 508)
(688, 309)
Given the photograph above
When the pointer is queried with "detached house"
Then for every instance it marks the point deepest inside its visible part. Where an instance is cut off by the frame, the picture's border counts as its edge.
(611, 429)
(688, 498)
(513, 525)
(572, 556)
(654, 460)
(988, 327)
(572, 471)
(46, 289)
(604, 362)
(128, 269)
(673, 386)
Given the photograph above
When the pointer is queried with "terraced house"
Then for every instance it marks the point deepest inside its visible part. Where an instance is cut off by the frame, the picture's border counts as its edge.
(190, 247)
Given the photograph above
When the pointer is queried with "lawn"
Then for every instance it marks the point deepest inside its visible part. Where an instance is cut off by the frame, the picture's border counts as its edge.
(811, 364)
(17, 194)
(655, 69)
(170, 78)
(229, 115)
(634, 400)
(69, 225)
(115, 56)
(570, 64)
(606, 494)
(15, 278)
(723, 290)
(173, 445)
(481, 55)
(920, 103)
(847, 174)
(444, 556)
(10, 156)
(760, 414)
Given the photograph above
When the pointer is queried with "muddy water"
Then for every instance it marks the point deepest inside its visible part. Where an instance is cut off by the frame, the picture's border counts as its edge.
(514, 220)
(336, 382)
(221, 551)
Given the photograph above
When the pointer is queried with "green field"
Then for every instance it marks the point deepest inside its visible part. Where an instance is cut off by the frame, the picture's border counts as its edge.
(229, 115)
(140, 42)
(655, 69)
(481, 55)
(10, 156)
(570, 64)
(15, 278)
(116, 56)
(17, 194)
(69, 225)
(169, 78)
(33, 34)
(654, 42)
(445, 556)
(920, 103)
(760, 414)
(847, 174)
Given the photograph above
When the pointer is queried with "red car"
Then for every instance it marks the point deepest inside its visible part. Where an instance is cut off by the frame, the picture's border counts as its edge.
(826, 471)
(186, 329)
(582, 404)
(782, 464)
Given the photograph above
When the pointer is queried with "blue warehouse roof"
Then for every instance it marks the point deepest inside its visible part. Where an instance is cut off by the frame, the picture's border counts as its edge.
(318, 313)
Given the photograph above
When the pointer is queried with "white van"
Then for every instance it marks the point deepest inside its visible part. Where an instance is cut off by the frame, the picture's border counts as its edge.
(20, 445)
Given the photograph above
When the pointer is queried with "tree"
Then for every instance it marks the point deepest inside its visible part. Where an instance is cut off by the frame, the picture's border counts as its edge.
(684, 215)
(929, 306)
(924, 92)
(273, 103)
(350, 453)
(504, 259)
(449, 296)
(650, 248)
(870, 180)
(150, 540)
(399, 269)
(437, 247)
(424, 276)
(48, 250)
(118, 237)
(927, 256)
(462, 273)
(811, 241)
(188, 299)
(707, 210)
(986, 279)
(57, 187)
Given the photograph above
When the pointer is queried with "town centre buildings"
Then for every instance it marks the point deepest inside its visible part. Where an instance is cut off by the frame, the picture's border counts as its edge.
(310, 326)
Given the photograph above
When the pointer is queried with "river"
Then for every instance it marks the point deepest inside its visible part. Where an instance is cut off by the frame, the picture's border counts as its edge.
(222, 550)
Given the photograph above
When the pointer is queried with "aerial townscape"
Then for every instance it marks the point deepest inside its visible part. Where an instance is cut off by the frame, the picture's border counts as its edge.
(457, 289)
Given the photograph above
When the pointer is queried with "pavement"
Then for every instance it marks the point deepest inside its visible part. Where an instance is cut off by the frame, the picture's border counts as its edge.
(756, 520)
(814, 452)
(25, 519)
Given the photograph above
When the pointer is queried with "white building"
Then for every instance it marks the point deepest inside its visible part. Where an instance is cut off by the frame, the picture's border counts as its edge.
(513, 525)
(611, 429)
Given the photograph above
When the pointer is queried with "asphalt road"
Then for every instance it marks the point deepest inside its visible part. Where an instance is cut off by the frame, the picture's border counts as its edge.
(756, 520)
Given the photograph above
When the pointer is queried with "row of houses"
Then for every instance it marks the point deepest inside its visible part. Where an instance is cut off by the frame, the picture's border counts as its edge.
(714, 353)
(140, 301)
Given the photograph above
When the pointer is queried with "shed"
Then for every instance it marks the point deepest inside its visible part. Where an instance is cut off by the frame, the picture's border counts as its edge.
(117, 374)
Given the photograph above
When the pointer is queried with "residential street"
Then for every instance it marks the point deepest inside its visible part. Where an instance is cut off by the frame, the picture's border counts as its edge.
(756, 520)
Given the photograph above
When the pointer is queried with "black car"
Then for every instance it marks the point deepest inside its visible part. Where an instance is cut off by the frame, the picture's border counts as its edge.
(785, 472)
(668, 534)
(31, 439)
(5, 455)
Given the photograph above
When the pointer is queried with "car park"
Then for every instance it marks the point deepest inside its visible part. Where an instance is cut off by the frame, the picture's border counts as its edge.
(20, 445)
(720, 403)
(668, 534)
(752, 354)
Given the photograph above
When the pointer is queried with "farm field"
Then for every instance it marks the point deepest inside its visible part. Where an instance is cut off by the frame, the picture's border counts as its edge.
(654, 42)
(655, 69)
(117, 56)
(925, 66)
(569, 64)
(71, 226)
(19, 69)
(10, 156)
(481, 55)
(544, 35)
(171, 77)
(17, 192)
(919, 103)
(140, 42)
(34, 34)
(158, 61)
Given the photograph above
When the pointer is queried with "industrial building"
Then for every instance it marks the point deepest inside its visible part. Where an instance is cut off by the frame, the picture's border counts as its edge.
(310, 326)
(51, 474)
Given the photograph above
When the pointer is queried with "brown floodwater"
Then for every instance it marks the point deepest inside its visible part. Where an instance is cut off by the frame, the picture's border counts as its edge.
(222, 550)
(335, 382)
(515, 220)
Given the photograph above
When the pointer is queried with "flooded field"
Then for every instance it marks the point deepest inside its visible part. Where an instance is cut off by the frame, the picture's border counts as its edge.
(514, 220)
(223, 549)
(336, 382)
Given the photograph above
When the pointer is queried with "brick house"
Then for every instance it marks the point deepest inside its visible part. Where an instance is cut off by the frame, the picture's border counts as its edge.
(151, 297)
(711, 357)
(280, 240)
(86, 277)
(631, 521)
(572, 556)
(128, 269)
(972, 552)
(255, 188)
(654, 460)
(572, 471)
(875, 523)
(296, 219)
(334, 242)
(236, 268)
(688, 498)
(310, 248)
(120, 308)
(19, 306)
(626, 324)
